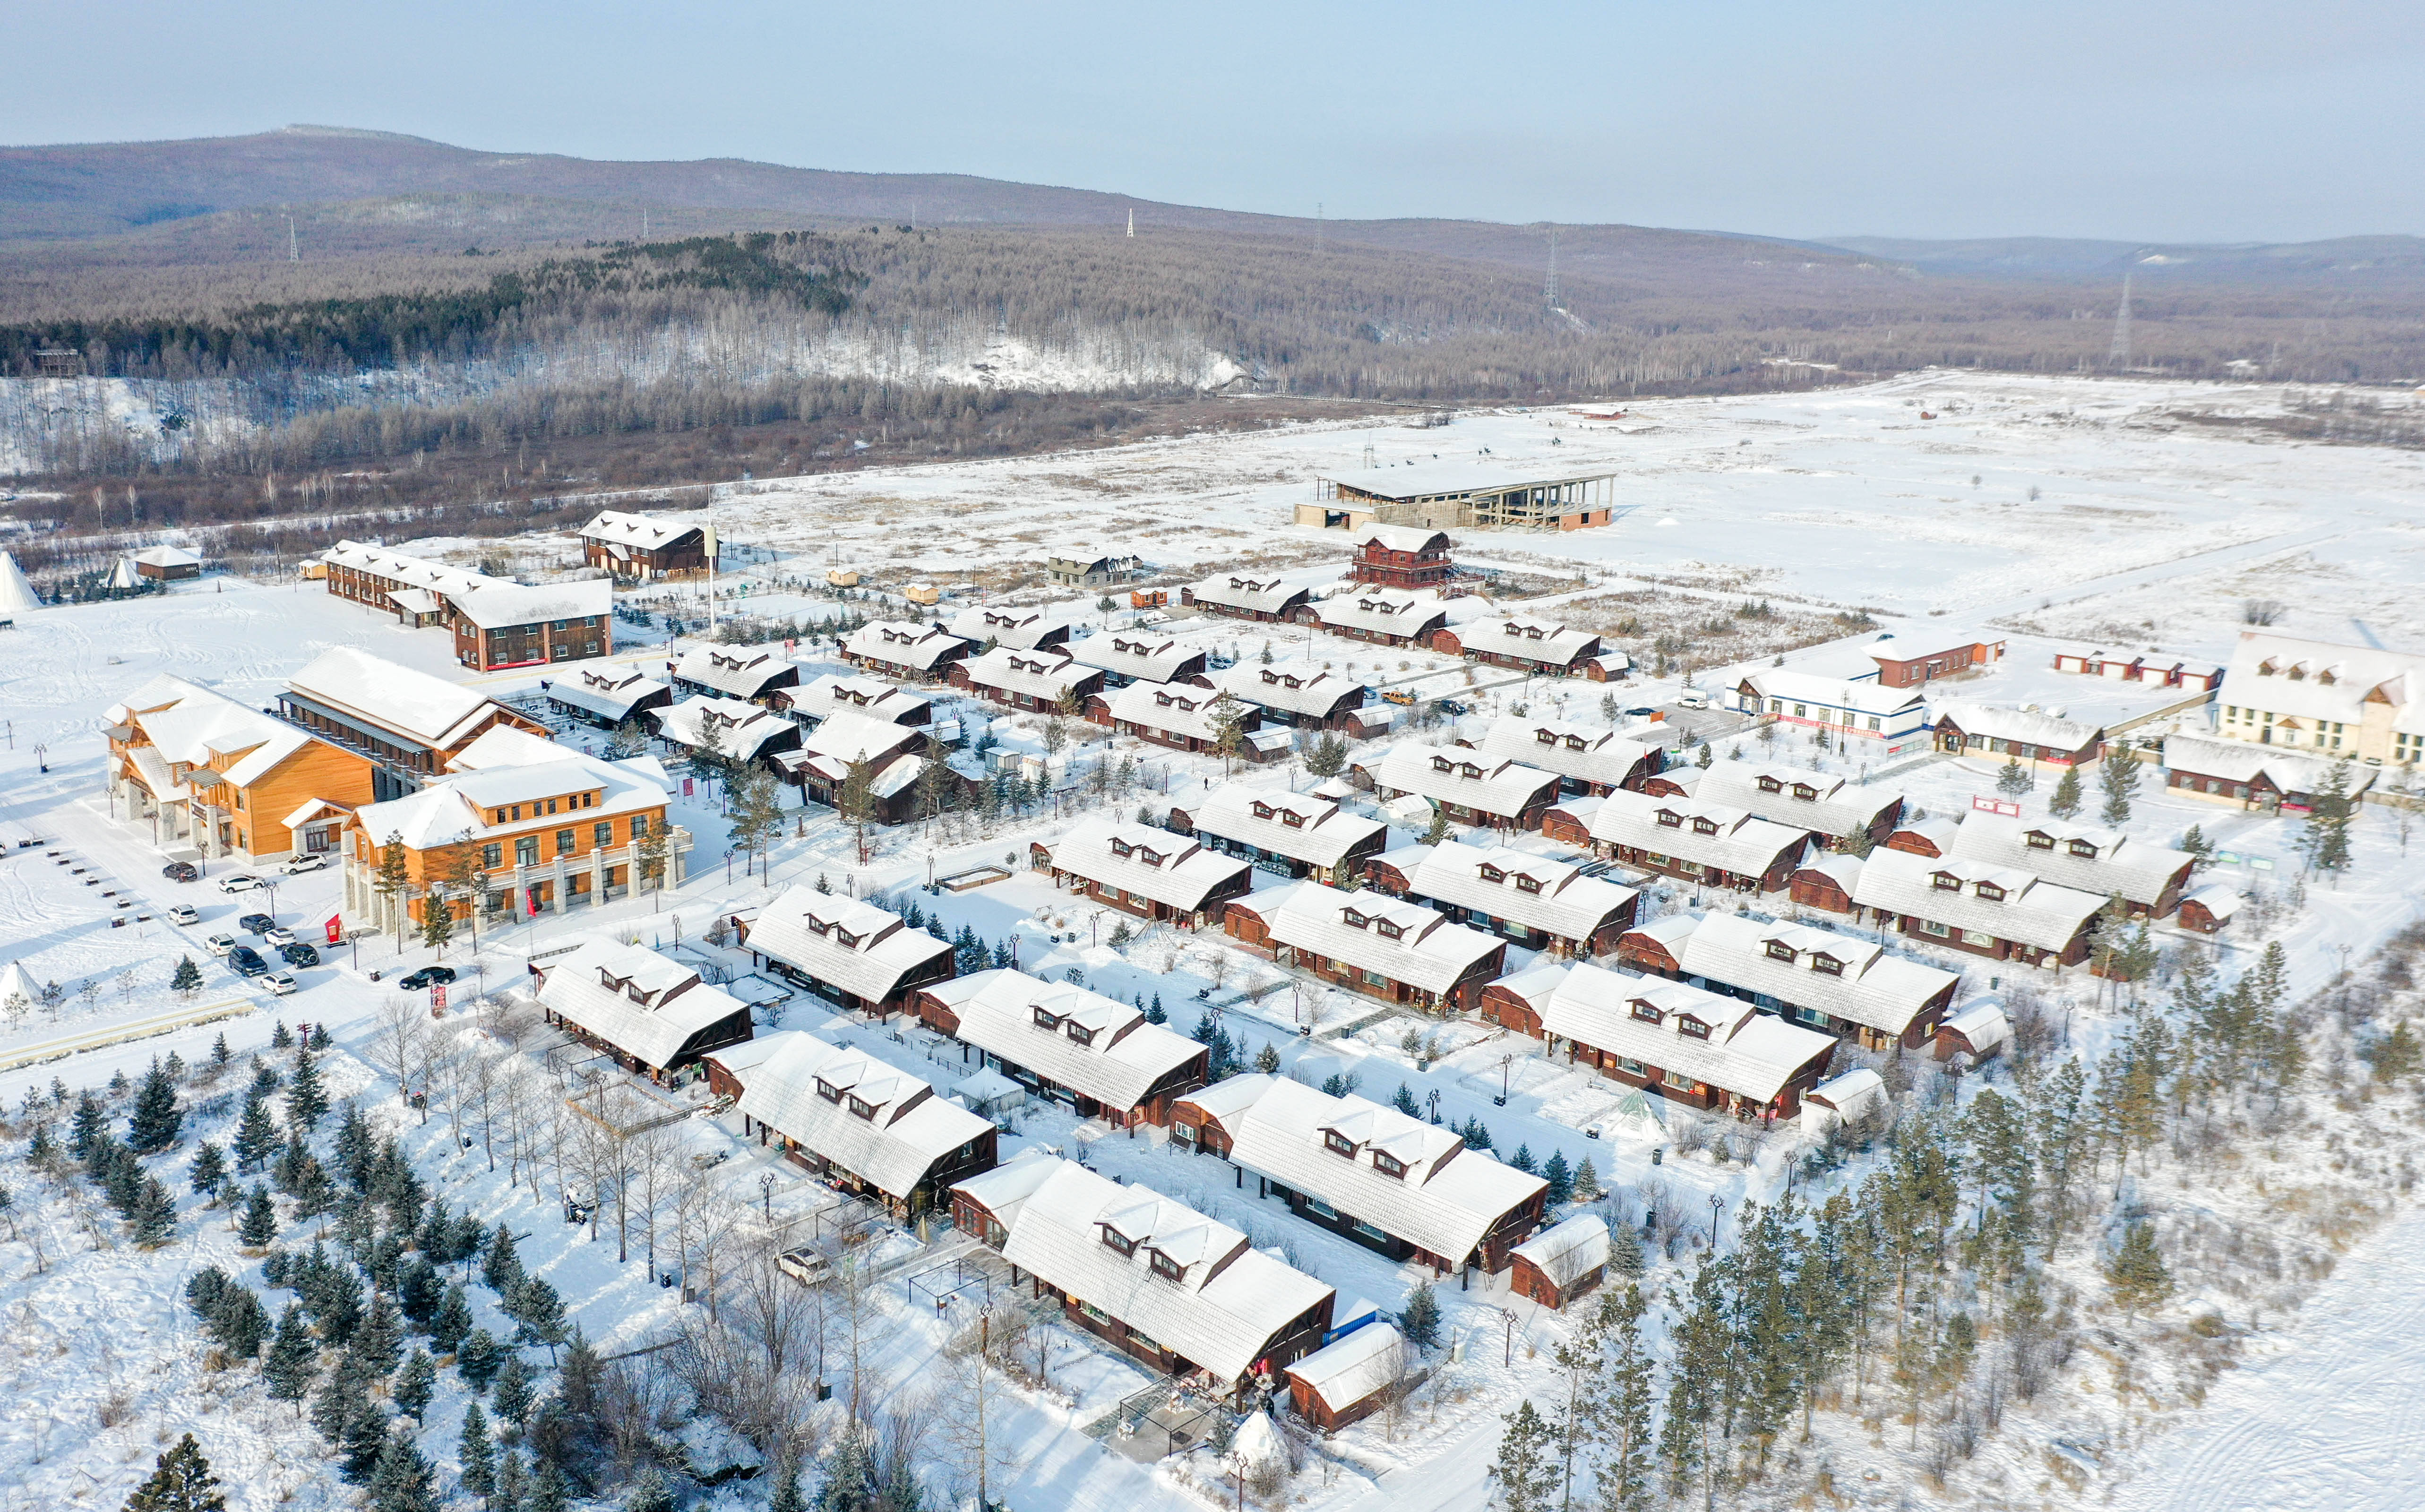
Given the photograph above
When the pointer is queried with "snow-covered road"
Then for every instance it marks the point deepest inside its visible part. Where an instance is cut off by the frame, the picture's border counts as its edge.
(2335, 1421)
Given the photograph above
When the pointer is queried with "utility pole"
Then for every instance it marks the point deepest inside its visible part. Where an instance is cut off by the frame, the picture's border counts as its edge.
(2119, 354)
(294, 248)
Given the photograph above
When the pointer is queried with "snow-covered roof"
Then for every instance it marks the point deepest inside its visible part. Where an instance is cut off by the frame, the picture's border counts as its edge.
(873, 1121)
(1300, 826)
(902, 644)
(1303, 687)
(837, 693)
(2221, 900)
(412, 571)
(741, 728)
(1142, 655)
(2087, 856)
(735, 671)
(1093, 1045)
(1530, 637)
(1383, 611)
(1251, 592)
(1443, 1197)
(2028, 727)
(1863, 697)
(167, 556)
(2031, 912)
(1821, 801)
(478, 803)
(1569, 1251)
(1538, 891)
(1373, 932)
(1792, 963)
(1350, 1369)
(425, 710)
(1499, 786)
(1983, 1024)
(1582, 752)
(1711, 834)
(850, 736)
(616, 527)
(2244, 760)
(1049, 676)
(16, 594)
(2293, 676)
(1401, 538)
(1004, 1190)
(1685, 1030)
(207, 732)
(1938, 832)
(495, 606)
(609, 692)
(1836, 866)
(1225, 1303)
(1850, 1095)
(635, 999)
(1019, 629)
(1173, 709)
(855, 946)
(1173, 870)
(1455, 479)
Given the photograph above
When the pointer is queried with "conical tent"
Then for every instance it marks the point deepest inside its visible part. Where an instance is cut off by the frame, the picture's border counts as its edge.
(15, 592)
(14, 982)
(125, 576)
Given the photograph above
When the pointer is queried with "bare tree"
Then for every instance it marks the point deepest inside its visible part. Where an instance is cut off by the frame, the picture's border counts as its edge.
(397, 1035)
(654, 1160)
(976, 1392)
(708, 1216)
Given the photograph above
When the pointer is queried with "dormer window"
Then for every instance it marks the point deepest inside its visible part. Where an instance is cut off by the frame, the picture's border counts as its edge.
(1293, 681)
(1045, 1019)
(2039, 840)
(1527, 884)
(2298, 673)
(1577, 743)
(1827, 965)
(1115, 1240)
(1168, 1268)
(1339, 1144)
(1644, 1012)
(827, 1090)
(1691, 1027)
(1670, 819)
(1151, 858)
(1387, 928)
(1079, 1033)
(1770, 784)
(1352, 919)
(1492, 874)
(1990, 891)
(860, 1108)
(1441, 763)
(845, 937)
(1471, 770)
(1389, 1164)
(1779, 950)
(2084, 849)
(1546, 737)
(1121, 847)
(1704, 826)
(1291, 818)
(1947, 882)
(2325, 677)
(1806, 792)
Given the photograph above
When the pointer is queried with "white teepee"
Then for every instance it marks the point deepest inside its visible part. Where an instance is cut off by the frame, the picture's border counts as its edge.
(124, 575)
(15, 592)
(14, 982)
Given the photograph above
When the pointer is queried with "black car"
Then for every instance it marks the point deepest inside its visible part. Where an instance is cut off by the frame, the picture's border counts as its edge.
(257, 924)
(299, 954)
(181, 872)
(427, 977)
(247, 961)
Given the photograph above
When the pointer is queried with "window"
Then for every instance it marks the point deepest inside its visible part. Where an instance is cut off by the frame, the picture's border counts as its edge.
(1262, 810)
(1990, 891)
(1874, 722)
(1293, 820)
(1388, 929)
(639, 827)
(1339, 1144)
(602, 834)
(1779, 950)
(1683, 1082)
(1770, 784)
(1121, 847)
(1631, 1067)
(1977, 937)
(1806, 792)
(492, 857)
(526, 851)
(1169, 1270)
(1687, 1024)
(860, 1109)
(827, 1090)
(1320, 1209)
(1546, 737)
(563, 846)
(1492, 874)
(1704, 826)
(2084, 849)
(1827, 965)
(2040, 840)
(1528, 884)
(551, 805)
(1930, 926)
(1352, 919)
(1644, 1012)
(1670, 819)
(1115, 1240)
(1374, 979)
(1044, 1019)
(1080, 1033)
(1389, 1164)
(1947, 882)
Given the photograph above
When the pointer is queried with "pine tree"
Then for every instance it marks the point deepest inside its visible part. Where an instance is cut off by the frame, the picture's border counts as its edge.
(87, 1126)
(1420, 1320)
(648, 1494)
(180, 1482)
(156, 1121)
(1700, 1381)
(1625, 1257)
(294, 1359)
(202, 1292)
(336, 1303)
(476, 1462)
(402, 1479)
(260, 1223)
(511, 1395)
(452, 1322)
(1528, 1482)
(207, 1170)
(1622, 1413)
(1404, 1101)
(2012, 781)
(437, 924)
(478, 1359)
(539, 1313)
(239, 1322)
(2325, 839)
(2117, 775)
(156, 1216)
(378, 1343)
(255, 1135)
(787, 1497)
(187, 979)
(1155, 1013)
(417, 1290)
(1586, 1181)
(510, 1484)
(548, 1492)
(2066, 799)
(280, 1038)
(1562, 1181)
(414, 1383)
(1522, 1160)
(341, 1399)
(2136, 1274)
(362, 1443)
(354, 1149)
(307, 1102)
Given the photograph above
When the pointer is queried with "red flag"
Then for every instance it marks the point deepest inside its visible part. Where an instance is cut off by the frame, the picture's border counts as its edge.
(336, 929)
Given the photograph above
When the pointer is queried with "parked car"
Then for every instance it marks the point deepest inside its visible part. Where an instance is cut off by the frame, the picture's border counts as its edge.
(1452, 707)
(426, 977)
(183, 913)
(1640, 713)
(278, 934)
(247, 961)
(220, 944)
(308, 862)
(239, 883)
(806, 1266)
(299, 955)
(253, 923)
(1691, 698)
(181, 871)
(280, 983)
(1398, 696)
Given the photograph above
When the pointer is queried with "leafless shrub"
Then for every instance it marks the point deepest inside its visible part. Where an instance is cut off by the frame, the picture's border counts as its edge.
(2261, 611)
(115, 1409)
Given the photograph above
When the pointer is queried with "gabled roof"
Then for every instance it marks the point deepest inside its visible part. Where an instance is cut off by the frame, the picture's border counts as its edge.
(1584, 753)
(1569, 1251)
(1173, 870)
(1143, 655)
(1536, 891)
(1383, 611)
(610, 692)
(2317, 679)
(1864, 698)
(2087, 856)
(1299, 687)
(735, 671)
(1404, 538)
(635, 999)
(212, 735)
(2034, 912)
(872, 1120)
(1353, 1366)
(496, 604)
(1719, 1040)
(902, 644)
(741, 728)
(1115, 1058)
(1254, 592)
(1004, 1190)
(1048, 675)
(2029, 727)
(1445, 1200)
(464, 806)
(1821, 801)
(1535, 639)
(425, 710)
(413, 572)
(1735, 841)
(1322, 835)
(2246, 760)
(850, 736)
(1869, 987)
(616, 527)
(167, 556)
(1227, 1304)
(1468, 779)
(1019, 629)
(1373, 932)
(855, 946)
(1173, 708)
(838, 692)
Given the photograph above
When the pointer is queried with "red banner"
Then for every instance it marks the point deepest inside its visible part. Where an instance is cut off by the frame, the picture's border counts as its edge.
(336, 929)
(437, 997)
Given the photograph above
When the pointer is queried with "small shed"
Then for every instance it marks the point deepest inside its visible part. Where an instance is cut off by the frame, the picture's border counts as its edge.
(1561, 1263)
(1978, 1031)
(1351, 1377)
(1843, 1100)
(2208, 909)
(166, 563)
(989, 1093)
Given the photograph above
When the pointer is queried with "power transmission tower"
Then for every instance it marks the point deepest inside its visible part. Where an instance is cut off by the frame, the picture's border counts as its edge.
(2120, 355)
(294, 250)
(1550, 290)
(1131, 223)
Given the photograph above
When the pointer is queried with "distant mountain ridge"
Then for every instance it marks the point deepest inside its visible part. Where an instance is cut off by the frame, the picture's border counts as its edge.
(2072, 259)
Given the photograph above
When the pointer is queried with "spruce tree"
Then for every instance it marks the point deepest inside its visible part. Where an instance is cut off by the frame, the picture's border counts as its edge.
(256, 1137)
(319, 1039)
(450, 1324)
(402, 1480)
(417, 1290)
(356, 1152)
(87, 1126)
(540, 1311)
(2325, 839)
(2136, 1274)
(478, 1359)
(475, 1461)
(294, 1359)
(1586, 1181)
(156, 1121)
(1625, 1256)
(239, 1322)
(2067, 800)
(2012, 781)
(156, 1216)
(1527, 1481)
(1562, 1181)
(187, 979)
(307, 1101)
(1404, 1101)
(2117, 775)
(511, 1395)
(260, 1222)
(547, 1491)
(360, 1445)
(648, 1494)
(503, 1267)
(207, 1170)
(787, 1497)
(337, 1305)
(378, 1343)
(511, 1486)
(414, 1384)
(1420, 1320)
(180, 1482)
(280, 1038)
(340, 1399)
(1522, 1160)
(1622, 1408)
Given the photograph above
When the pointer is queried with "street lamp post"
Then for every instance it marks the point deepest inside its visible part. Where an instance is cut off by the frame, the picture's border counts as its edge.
(1715, 1203)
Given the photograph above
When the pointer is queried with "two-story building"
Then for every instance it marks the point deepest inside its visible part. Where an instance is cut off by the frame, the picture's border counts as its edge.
(738, 734)
(1837, 984)
(2004, 913)
(1300, 694)
(2318, 698)
(2149, 878)
(912, 653)
(750, 674)
(607, 697)
(1401, 557)
(1464, 785)
(1129, 657)
(853, 954)
(1297, 834)
(201, 768)
(1384, 616)
(1152, 873)
(1832, 809)
(1861, 715)
(411, 725)
(1372, 943)
(1542, 647)
(1710, 845)
(1018, 629)
(1586, 758)
(1531, 900)
(1046, 682)
(1095, 1055)
(2033, 736)
(643, 548)
(1701, 1048)
(860, 1124)
(654, 1016)
(1265, 598)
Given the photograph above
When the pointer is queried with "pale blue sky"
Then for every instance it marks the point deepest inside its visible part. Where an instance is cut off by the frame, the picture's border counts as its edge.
(2222, 121)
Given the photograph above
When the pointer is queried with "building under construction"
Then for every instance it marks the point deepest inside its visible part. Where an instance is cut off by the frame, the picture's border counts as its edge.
(1446, 495)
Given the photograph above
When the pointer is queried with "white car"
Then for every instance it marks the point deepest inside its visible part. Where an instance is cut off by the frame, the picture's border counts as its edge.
(220, 944)
(1691, 698)
(280, 983)
(183, 913)
(806, 1266)
(309, 862)
(239, 883)
(278, 935)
